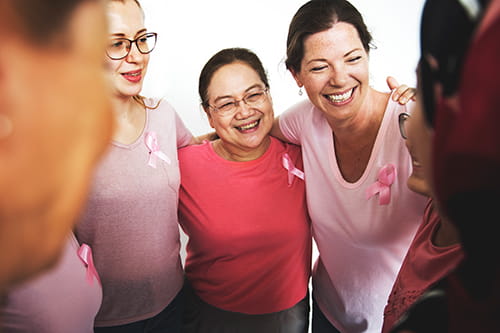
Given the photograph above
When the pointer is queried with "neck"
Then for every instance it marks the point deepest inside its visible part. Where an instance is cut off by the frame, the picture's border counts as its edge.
(130, 119)
(231, 153)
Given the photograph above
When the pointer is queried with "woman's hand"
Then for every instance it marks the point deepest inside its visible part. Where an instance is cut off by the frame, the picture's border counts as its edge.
(403, 93)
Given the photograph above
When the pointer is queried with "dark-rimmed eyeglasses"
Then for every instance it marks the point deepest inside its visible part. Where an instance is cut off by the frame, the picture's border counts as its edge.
(228, 106)
(403, 117)
(119, 48)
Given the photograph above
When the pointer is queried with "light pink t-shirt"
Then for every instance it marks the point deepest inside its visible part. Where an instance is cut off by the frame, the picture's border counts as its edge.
(131, 221)
(249, 248)
(361, 243)
(62, 300)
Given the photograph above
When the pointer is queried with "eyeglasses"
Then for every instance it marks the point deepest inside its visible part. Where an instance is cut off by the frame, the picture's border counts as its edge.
(403, 117)
(228, 106)
(119, 48)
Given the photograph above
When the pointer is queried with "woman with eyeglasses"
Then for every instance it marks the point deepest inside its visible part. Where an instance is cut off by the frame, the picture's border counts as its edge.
(242, 204)
(130, 219)
(435, 250)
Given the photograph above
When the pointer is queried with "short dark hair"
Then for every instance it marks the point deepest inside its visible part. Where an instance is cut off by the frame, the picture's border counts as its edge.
(317, 16)
(225, 57)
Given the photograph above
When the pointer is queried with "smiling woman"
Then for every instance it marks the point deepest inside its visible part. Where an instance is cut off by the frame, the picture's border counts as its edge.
(242, 204)
(131, 214)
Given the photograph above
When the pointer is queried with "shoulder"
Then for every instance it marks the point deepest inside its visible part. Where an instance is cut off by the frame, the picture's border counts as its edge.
(299, 109)
(194, 150)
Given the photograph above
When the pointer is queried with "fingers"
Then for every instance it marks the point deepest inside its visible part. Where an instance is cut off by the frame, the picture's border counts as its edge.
(392, 82)
(402, 93)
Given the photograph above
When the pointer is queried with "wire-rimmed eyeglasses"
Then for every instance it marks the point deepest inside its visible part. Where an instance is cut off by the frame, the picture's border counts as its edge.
(119, 48)
(403, 117)
(228, 105)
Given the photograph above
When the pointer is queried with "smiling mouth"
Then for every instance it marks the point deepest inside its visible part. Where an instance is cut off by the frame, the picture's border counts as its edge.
(340, 98)
(249, 126)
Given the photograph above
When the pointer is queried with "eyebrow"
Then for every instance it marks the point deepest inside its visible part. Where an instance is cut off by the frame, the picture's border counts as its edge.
(122, 35)
(246, 91)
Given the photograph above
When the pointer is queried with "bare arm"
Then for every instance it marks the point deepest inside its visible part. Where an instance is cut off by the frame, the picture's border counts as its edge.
(196, 140)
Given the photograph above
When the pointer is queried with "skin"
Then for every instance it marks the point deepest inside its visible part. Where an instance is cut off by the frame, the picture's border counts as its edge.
(235, 143)
(57, 100)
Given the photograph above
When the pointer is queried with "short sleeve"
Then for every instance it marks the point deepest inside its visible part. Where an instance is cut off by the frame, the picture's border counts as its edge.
(184, 135)
(292, 121)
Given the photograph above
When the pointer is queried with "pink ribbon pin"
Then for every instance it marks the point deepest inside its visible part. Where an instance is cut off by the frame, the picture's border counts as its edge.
(154, 149)
(382, 186)
(292, 170)
(85, 254)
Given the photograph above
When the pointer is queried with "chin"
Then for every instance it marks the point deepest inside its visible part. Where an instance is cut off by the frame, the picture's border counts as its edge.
(418, 185)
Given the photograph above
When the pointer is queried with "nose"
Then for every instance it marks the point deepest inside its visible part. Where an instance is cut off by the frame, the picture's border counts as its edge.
(338, 76)
(242, 109)
(133, 53)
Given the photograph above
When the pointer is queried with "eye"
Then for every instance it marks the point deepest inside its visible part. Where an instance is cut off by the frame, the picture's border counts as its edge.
(226, 106)
(143, 39)
(253, 97)
(318, 68)
(116, 44)
(354, 59)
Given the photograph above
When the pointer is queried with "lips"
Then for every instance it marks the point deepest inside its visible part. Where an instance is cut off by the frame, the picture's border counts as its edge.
(133, 76)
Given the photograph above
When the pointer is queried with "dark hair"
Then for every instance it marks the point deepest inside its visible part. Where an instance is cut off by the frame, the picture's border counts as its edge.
(225, 57)
(317, 16)
(42, 21)
(445, 33)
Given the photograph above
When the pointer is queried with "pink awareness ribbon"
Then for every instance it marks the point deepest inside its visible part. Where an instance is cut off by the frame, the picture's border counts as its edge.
(85, 254)
(292, 170)
(154, 149)
(382, 186)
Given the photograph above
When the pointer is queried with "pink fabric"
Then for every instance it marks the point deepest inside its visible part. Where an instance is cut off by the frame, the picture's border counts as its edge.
(249, 247)
(424, 265)
(131, 223)
(59, 301)
(85, 254)
(382, 186)
(361, 243)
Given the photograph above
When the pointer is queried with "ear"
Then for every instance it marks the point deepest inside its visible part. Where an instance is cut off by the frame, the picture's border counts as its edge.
(209, 116)
(296, 77)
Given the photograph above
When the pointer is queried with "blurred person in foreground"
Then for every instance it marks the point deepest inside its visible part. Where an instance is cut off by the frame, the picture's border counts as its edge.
(461, 103)
(55, 123)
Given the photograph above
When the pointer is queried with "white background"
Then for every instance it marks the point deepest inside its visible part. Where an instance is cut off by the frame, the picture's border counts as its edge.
(190, 32)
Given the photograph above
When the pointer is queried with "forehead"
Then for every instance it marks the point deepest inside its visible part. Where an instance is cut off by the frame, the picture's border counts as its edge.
(125, 18)
(233, 79)
(342, 37)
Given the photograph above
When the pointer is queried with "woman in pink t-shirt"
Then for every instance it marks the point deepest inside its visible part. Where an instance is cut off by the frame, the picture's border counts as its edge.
(64, 299)
(130, 219)
(355, 163)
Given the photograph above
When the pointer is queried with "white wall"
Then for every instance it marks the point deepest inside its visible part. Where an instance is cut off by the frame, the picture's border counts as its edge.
(190, 32)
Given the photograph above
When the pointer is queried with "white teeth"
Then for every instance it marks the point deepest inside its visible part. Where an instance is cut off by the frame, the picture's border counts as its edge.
(340, 98)
(249, 126)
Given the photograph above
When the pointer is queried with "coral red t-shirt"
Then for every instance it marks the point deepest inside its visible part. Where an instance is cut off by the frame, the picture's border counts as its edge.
(249, 247)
